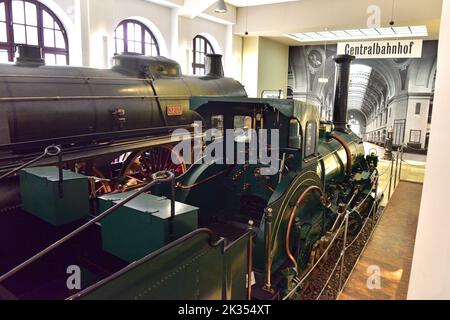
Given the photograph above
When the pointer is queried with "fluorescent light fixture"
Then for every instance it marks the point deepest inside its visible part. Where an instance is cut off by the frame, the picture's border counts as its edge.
(386, 31)
(323, 80)
(221, 7)
(361, 34)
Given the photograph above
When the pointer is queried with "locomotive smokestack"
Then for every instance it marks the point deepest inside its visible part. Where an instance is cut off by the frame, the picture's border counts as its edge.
(343, 63)
(213, 64)
(29, 55)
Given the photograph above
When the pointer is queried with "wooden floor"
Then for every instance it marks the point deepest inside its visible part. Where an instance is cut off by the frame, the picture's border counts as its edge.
(390, 250)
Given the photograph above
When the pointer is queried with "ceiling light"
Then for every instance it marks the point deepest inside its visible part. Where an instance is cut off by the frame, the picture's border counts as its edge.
(385, 31)
(221, 7)
(323, 80)
(361, 34)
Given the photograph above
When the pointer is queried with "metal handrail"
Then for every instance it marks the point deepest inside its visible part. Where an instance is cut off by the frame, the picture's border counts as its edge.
(151, 256)
(51, 151)
(160, 177)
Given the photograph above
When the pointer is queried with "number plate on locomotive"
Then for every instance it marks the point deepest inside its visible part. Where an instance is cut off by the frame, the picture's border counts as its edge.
(174, 110)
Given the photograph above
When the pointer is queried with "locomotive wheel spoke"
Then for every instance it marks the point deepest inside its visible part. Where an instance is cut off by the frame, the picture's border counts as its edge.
(140, 166)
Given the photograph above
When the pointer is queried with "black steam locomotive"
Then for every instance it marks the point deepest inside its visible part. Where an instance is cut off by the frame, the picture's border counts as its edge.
(93, 205)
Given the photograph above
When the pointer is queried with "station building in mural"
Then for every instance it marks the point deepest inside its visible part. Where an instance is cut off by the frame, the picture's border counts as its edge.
(386, 95)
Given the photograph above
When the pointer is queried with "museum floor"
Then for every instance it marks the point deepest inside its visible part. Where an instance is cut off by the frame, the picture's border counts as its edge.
(391, 249)
(392, 244)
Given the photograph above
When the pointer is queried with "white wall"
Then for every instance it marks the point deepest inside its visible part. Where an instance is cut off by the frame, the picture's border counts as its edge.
(264, 65)
(91, 23)
(188, 28)
(430, 277)
(273, 66)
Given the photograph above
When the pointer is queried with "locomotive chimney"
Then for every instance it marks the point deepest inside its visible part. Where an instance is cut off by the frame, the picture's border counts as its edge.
(214, 67)
(343, 63)
(29, 55)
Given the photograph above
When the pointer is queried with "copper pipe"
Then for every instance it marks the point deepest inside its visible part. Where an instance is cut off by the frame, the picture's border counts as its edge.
(347, 151)
(291, 221)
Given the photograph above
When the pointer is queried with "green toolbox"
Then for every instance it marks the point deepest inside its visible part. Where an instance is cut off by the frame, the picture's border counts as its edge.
(143, 225)
(58, 204)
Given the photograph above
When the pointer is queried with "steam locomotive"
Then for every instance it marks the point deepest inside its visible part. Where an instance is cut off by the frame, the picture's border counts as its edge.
(93, 205)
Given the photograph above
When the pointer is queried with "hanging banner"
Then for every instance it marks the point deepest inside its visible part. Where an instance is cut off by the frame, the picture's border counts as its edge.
(382, 49)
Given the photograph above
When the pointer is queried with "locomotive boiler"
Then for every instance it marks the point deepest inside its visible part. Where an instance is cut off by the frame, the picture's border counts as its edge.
(107, 201)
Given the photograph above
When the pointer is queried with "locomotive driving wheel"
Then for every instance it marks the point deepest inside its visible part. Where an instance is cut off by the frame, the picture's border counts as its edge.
(139, 166)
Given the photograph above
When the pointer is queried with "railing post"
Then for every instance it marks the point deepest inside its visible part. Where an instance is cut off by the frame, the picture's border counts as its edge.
(172, 211)
(60, 176)
(344, 249)
(390, 178)
(268, 231)
(401, 163)
(397, 158)
(250, 260)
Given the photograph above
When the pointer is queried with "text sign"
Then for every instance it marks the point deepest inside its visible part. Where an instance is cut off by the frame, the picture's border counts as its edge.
(174, 110)
(382, 49)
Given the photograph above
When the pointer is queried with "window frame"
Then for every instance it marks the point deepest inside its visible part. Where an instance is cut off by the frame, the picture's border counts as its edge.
(203, 51)
(10, 45)
(144, 29)
(416, 132)
(418, 110)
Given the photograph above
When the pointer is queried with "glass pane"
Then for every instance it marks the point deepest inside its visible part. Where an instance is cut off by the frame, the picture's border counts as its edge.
(119, 32)
(137, 32)
(61, 60)
(49, 38)
(138, 47)
(32, 36)
(50, 59)
(18, 11)
(120, 46)
(3, 34)
(148, 49)
(242, 127)
(130, 46)
(4, 56)
(2, 12)
(217, 122)
(48, 20)
(148, 38)
(130, 31)
(60, 42)
(31, 14)
(19, 34)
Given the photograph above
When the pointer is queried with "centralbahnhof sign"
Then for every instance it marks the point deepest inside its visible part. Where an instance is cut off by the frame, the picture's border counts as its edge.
(382, 49)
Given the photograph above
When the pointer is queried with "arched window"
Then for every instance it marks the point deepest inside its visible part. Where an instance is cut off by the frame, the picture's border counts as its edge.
(132, 36)
(30, 22)
(201, 48)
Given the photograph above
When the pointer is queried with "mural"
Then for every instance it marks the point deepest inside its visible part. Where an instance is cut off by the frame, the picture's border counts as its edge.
(385, 94)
